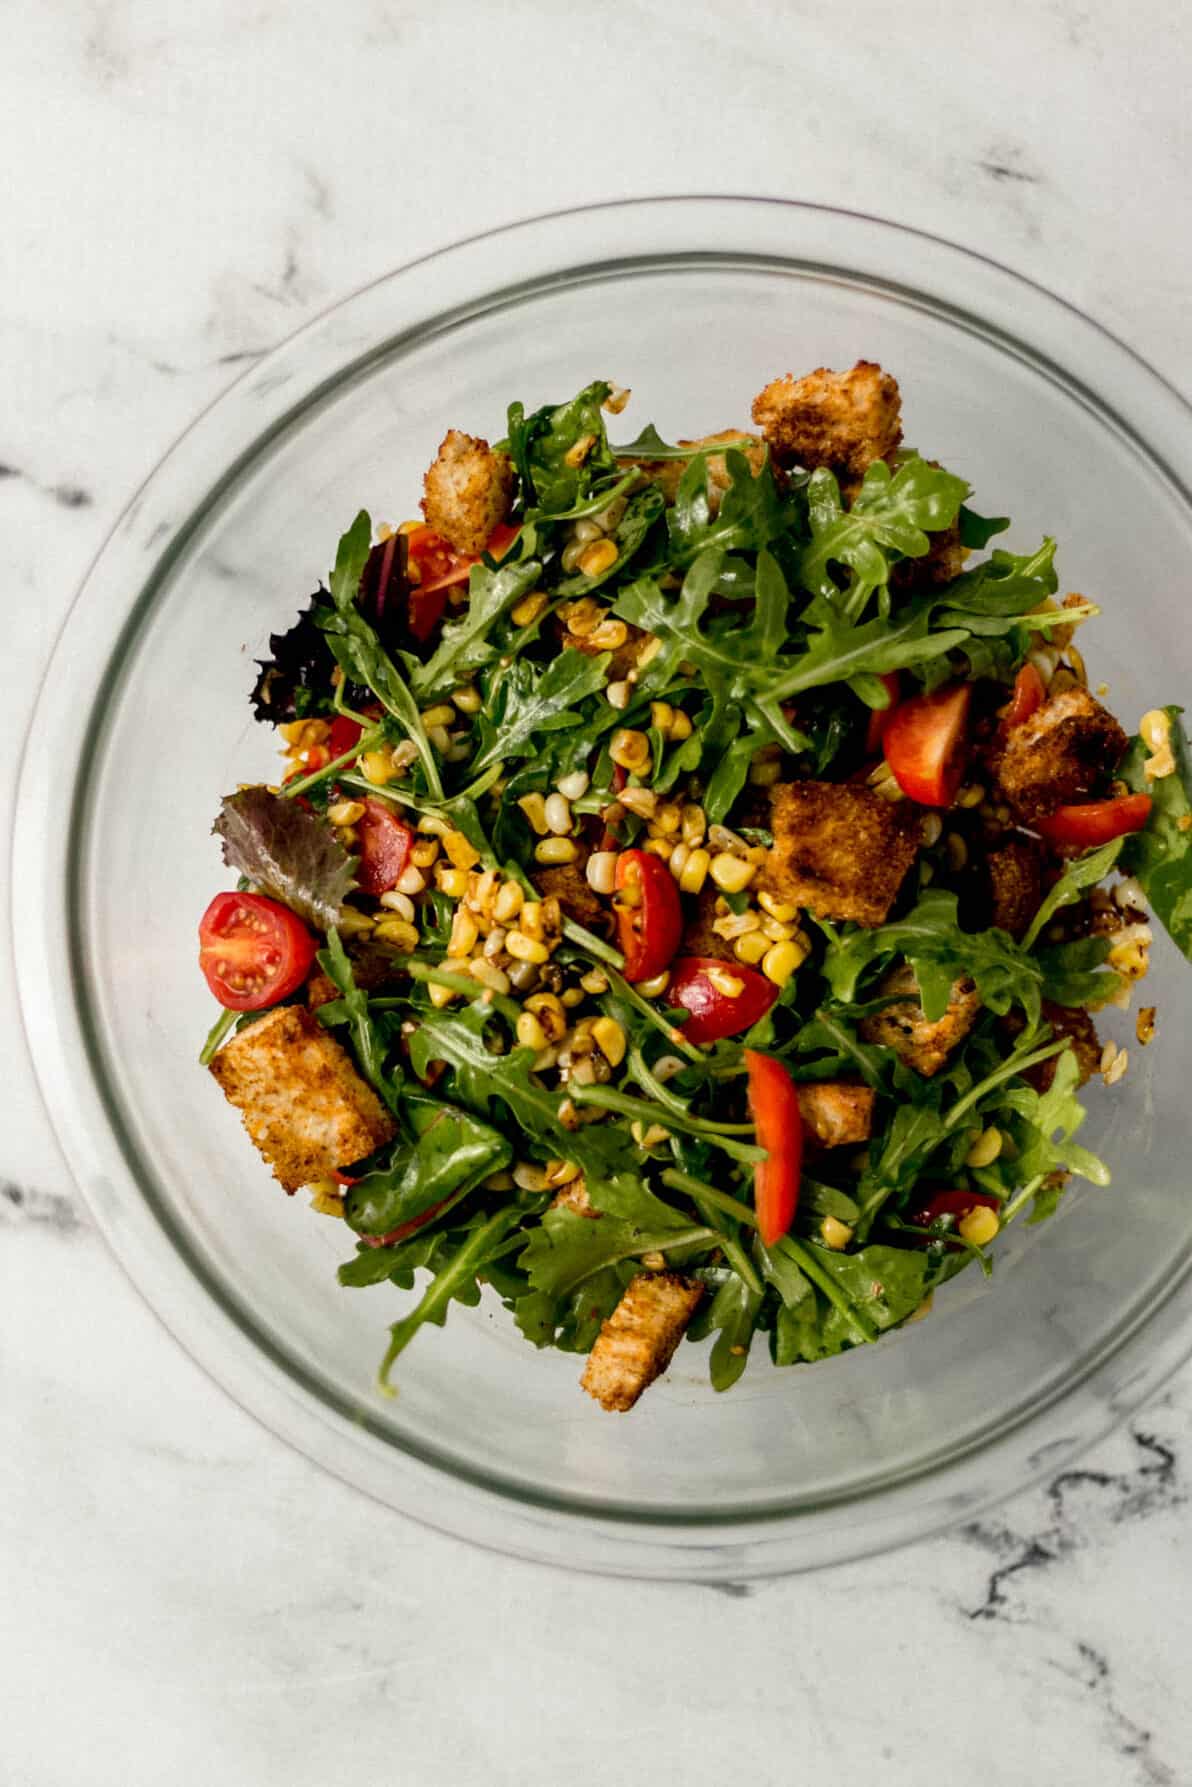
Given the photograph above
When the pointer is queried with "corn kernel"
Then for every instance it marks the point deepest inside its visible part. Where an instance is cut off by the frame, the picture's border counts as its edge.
(600, 871)
(345, 812)
(441, 996)
(782, 910)
(572, 996)
(595, 981)
(609, 636)
(836, 1234)
(400, 903)
(534, 808)
(662, 848)
(978, 1225)
(561, 1172)
(489, 975)
(1154, 727)
(730, 873)
(656, 986)
(557, 813)
(574, 786)
(750, 948)
(648, 1137)
(618, 694)
(1144, 1024)
(353, 923)
(610, 1040)
(694, 824)
(326, 1198)
(452, 882)
(764, 772)
(630, 750)
(526, 949)
(509, 902)
(442, 714)
(662, 716)
(464, 932)
(681, 727)
(532, 920)
(411, 882)
(468, 699)
(781, 961)
(677, 860)
(556, 850)
(668, 818)
(523, 613)
(578, 451)
(985, 1149)
(598, 558)
(695, 871)
(725, 981)
(530, 1033)
(377, 768)
(648, 649)
(641, 802)
(423, 852)
(398, 931)
(549, 1011)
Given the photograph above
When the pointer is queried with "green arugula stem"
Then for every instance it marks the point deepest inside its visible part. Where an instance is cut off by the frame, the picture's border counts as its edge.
(788, 736)
(733, 1252)
(1007, 1071)
(439, 1293)
(622, 990)
(289, 789)
(602, 952)
(437, 976)
(647, 1112)
(215, 1036)
(804, 1258)
(719, 1200)
(1010, 1211)
(646, 1080)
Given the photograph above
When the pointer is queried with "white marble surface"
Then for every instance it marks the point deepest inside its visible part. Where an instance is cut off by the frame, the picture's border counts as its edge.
(182, 1599)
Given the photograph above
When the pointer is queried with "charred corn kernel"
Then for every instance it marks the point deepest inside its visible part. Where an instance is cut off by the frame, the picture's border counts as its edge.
(600, 871)
(526, 949)
(411, 882)
(468, 700)
(594, 982)
(557, 813)
(781, 961)
(489, 975)
(464, 932)
(377, 767)
(725, 981)
(668, 818)
(452, 882)
(574, 786)
(442, 714)
(695, 871)
(985, 1149)
(751, 947)
(534, 808)
(662, 717)
(441, 996)
(782, 910)
(836, 1234)
(610, 1040)
(532, 920)
(530, 1033)
(777, 933)
(460, 853)
(398, 931)
(618, 694)
(656, 986)
(400, 903)
(529, 1177)
(509, 902)
(561, 1172)
(579, 450)
(618, 397)
(978, 1225)
(656, 1262)
(663, 848)
(693, 824)
(933, 827)
(598, 558)
(630, 750)
(549, 1011)
(1117, 1067)
(345, 812)
(730, 873)
(609, 636)
(556, 850)
(764, 771)
(641, 802)
(584, 616)
(677, 860)
(1144, 1024)
(735, 924)
(523, 613)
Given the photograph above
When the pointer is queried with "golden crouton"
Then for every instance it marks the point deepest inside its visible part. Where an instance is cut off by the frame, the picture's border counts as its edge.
(845, 420)
(902, 1027)
(835, 1113)
(1073, 1022)
(468, 490)
(569, 885)
(303, 1103)
(943, 560)
(636, 1342)
(574, 1196)
(1068, 749)
(699, 938)
(839, 849)
(1015, 884)
(667, 473)
(320, 990)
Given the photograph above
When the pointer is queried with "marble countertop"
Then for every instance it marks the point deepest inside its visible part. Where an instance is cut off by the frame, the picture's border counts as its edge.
(181, 1598)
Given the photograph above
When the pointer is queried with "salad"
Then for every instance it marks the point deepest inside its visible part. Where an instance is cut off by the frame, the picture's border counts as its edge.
(694, 876)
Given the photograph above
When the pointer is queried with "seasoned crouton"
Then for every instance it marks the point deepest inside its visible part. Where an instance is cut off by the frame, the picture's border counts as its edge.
(902, 1027)
(320, 990)
(1015, 884)
(569, 885)
(574, 1196)
(835, 1113)
(845, 420)
(943, 560)
(699, 939)
(1069, 748)
(839, 849)
(1075, 1023)
(468, 490)
(636, 1342)
(303, 1103)
(667, 473)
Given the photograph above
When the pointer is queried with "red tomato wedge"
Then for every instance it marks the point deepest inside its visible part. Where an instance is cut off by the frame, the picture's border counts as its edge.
(1028, 696)
(439, 565)
(715, 1013)
(403, 1228)
(880, 717)
(926, 744)
(345, 734)
(1095, 821)
(383, 842)
(649, 914)
(774, 1107)
(253, 951)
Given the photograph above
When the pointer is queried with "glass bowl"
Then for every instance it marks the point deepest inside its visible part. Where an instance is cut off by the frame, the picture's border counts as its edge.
(144, 721)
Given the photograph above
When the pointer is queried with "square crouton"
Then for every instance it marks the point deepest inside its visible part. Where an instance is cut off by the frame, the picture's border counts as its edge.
(1015, 871)
(839, 849)
(844, 420)
(835, 1113)
(468, 489)
(1074, 1023)
(303, 1103)
(1069, 748)
(636, 1342)
(902, 1026)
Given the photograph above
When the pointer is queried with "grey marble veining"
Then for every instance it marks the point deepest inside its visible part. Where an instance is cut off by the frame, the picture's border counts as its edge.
(181, 1598)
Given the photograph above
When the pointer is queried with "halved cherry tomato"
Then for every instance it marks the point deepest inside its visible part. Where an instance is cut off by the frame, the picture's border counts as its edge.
(880, 717)
(925, 744)
(714, 1013)
(403, 1228)
(1095, 821)
(383, 844)
(439, 565)
(774, 1107)
(1027, 698)
(344, 734)
(649, 914)
(253, 951)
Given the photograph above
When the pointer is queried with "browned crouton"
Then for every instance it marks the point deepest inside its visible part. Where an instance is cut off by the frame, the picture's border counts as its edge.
(839, 849)
(903, 1028)
(303, 1103)
(636, 1342)
(468, 490)
(574, 1196)
(845, 420)
(569, 885)
(835, 1113)
(1015, 884)
(666, 473)
(320, 990)
(1075, 1023)
(1068, 749)
(699, 939)
(943, 560)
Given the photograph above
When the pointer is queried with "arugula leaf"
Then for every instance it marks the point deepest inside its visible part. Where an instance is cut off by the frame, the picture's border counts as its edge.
(527, 701)
(976, 531)
(464, 645)
(450, 1154)
(572, 1322)
(1050, 1120)
(734, 1311)
(542, 443)
(650, 445)
(396, 1264)
(1161, 854)
(836, 651)
(1073, 973)
(750, 515)
(288, 853)
(456, 1275)
(995, 595)
(567, 1248)
(641, 512)
(370, 1045)
(885, 1283)
(892, 512)
(1079, 875)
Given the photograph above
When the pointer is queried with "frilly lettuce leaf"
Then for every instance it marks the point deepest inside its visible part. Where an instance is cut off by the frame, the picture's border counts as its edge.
(287, 853)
